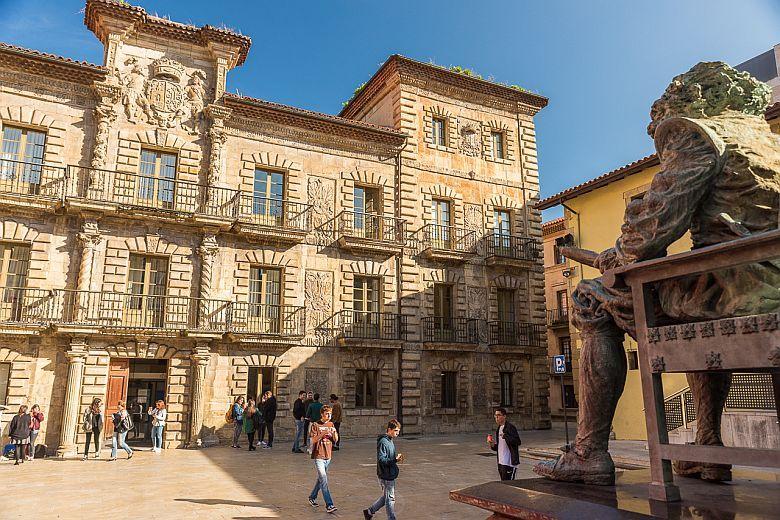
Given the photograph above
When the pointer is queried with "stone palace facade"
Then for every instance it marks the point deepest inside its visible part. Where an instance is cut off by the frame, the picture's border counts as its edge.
(162, 238)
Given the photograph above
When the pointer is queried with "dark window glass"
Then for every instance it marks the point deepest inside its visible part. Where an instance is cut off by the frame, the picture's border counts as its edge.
(365, 388)
(448, 389)
(506, 388)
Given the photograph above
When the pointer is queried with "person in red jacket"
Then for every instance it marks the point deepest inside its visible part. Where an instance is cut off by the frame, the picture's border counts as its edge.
(36, 418)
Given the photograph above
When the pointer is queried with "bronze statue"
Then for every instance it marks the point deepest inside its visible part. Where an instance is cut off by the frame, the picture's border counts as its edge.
(720, 180)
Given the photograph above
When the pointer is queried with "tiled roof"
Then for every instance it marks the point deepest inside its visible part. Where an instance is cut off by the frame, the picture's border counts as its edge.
(46, 64)
(553, 226)
(396, 61)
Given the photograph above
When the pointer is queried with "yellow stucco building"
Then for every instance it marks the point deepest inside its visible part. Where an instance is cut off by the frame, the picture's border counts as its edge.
(593, 213)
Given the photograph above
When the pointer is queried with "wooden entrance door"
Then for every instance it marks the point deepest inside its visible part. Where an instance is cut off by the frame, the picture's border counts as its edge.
(118, 378)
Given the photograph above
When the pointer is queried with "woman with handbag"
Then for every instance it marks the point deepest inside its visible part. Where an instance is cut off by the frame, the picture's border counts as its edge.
(122, 424)
(92, 422)
(19, 431)
(158, 414)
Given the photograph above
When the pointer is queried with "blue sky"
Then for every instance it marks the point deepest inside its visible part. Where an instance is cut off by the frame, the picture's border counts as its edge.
(601, 63)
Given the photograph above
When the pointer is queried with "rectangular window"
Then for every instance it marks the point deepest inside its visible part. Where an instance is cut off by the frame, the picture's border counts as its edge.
(5, 378)
(506, 388)
(147, 284)
(14, 263)
(502, 232)
(157, 178)
(267, 197)
(365, 388)
(260, 380)
(449, 390)
(569, 399)
(366, 304)
(442, 220)
(562, 300)
(22, 154)
(368, 205)
(442, 300)
(566, 351)
(264, 298)
(497, 138)
(506, 305)
(439, 131)
(560, 242)
(633, 360)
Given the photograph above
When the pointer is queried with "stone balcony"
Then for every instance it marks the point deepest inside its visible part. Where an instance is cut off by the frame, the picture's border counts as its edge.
(368, 233)
(31, 185)
(360, 328)
(511, 251)
(447, 243)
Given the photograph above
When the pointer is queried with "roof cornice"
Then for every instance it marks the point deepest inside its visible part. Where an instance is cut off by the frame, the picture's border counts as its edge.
(50, 65)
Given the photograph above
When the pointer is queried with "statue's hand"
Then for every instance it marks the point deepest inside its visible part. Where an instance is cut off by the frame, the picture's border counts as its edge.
(606, 260)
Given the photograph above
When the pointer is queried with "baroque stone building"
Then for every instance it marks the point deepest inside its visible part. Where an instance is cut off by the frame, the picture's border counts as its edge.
(162, 238)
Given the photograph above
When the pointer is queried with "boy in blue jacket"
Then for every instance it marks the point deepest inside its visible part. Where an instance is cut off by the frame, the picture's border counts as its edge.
(387, 471)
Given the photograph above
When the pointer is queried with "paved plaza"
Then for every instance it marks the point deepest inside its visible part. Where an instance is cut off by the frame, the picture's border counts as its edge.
(226, 483)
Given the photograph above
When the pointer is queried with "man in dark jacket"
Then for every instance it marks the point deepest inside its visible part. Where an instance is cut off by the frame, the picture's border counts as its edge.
(505, 444)
(387, 470)
(299, 410)
(269, 416)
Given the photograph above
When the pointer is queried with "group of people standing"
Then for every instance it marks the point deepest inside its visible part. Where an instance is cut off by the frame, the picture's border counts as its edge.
(307, 409)
(93, 424)
(23, 430)
(251, 417)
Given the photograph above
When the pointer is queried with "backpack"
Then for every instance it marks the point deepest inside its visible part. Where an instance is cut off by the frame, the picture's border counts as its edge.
(87, 424)
(229, 415)
(124, 424)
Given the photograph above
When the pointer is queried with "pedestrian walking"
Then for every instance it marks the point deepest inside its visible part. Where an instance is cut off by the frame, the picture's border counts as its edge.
(92, 423)
(299, 411)
(123, 423)
(322, 435)
(159, 414)
(386, 471)
(19, 431)
(313, 413)
(36, 418)
(336, 417)
(237, 414)
(249, 423)
(505, 444)
(306, 422)
(269, 416)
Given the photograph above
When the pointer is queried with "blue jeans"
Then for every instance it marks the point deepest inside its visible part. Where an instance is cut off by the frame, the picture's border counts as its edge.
(157, 436)
(119, 438)
(298, 434)
(322, 481)
(387, 500)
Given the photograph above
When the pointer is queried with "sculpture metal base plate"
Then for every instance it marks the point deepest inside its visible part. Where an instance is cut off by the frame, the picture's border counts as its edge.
(752, 494)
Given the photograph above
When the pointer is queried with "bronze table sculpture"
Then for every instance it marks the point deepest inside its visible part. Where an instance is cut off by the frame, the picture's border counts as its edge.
(720, 180)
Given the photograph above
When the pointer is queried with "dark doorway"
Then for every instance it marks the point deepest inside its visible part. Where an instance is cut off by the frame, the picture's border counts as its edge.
(259, 380)
(146, 384)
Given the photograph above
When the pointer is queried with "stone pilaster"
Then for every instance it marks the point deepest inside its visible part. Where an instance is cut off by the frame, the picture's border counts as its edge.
(207, 250)
(200, 360)
(105, 116)
(77, 355)
(411, 389)
(217, 139)
(90, 238)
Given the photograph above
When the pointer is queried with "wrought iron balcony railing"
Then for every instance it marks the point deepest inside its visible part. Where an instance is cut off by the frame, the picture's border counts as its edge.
(512, 247)
(439, 329)
(27, 306)
(264, 319)
(132, 190)
(516, 334)
(448, 238)
(31, 179)
(277, 213)
(356, 224)
(218, 202)
(371, 325)
(557, 317)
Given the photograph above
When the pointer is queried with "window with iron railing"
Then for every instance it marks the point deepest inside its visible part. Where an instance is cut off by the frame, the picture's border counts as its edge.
(157, 179)
(368, 205)
(22, 159)
(449, 390)
(365, 388)
(147, 287)
(264, 298)
(268, 197)
(441, 232)
(366, 298)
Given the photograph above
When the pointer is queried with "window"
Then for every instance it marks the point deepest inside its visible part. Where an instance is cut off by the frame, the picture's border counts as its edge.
(439, 131)
(365, 388)
(569, 399)
(442, 300)
(559, 243)
(506, 388)
(633, 360)
(365, 303)
(502, 231)
(14, 263)
(566, 351)
(22, 155)
(506, 305)
(497, 138)
(264, 298)
(5, 378)
(562, 301)
(267, 197)
(441, 224)
(156, 183)
(260, 380)
(147, 284)
(368, 205)
(449, 389)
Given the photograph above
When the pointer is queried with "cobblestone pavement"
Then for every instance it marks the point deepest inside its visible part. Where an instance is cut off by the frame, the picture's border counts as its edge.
(224, 483)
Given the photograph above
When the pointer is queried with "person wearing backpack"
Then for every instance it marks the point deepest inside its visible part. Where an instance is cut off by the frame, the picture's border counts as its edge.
(122, 424)
(92, 423)
(250, 413)
(19, 431)
(237, 414)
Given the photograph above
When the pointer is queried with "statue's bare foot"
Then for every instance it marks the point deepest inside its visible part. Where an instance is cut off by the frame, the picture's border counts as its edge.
(597, 469)
(704, 471)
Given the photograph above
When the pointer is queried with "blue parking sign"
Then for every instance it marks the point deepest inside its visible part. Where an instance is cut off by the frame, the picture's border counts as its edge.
(559, 364)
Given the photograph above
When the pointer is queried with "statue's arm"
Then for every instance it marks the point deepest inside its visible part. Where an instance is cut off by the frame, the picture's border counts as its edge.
(689, 163)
